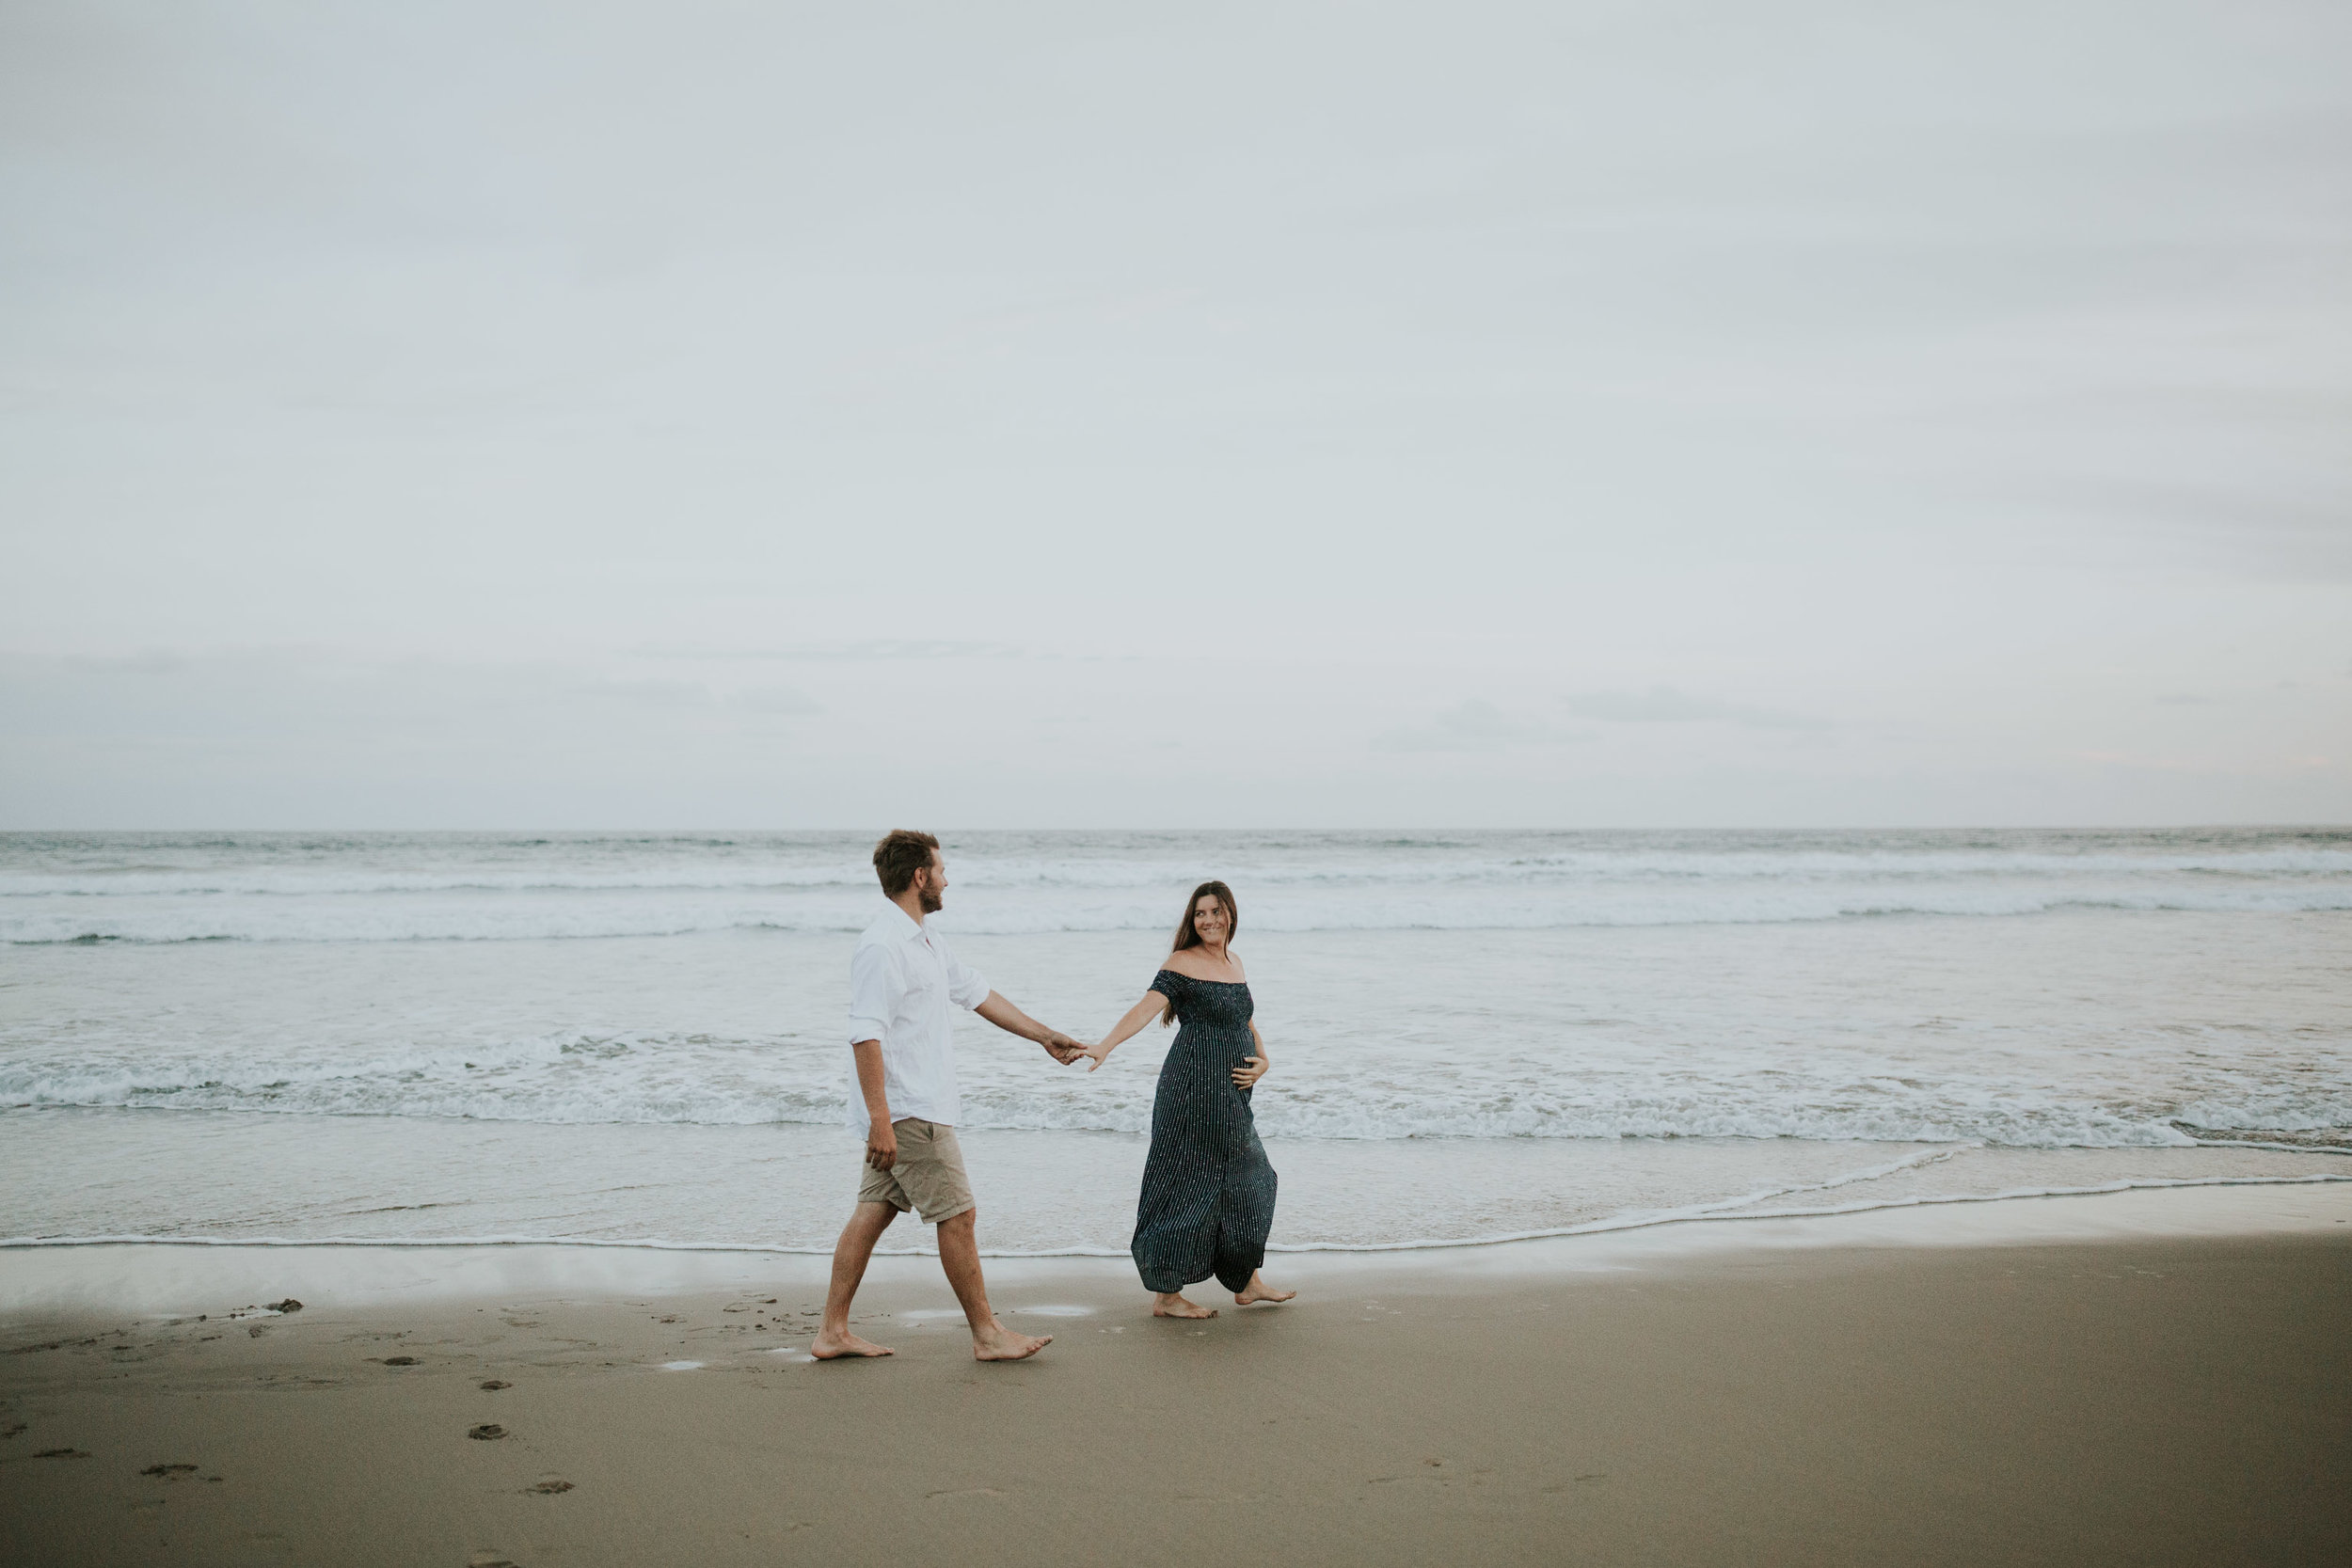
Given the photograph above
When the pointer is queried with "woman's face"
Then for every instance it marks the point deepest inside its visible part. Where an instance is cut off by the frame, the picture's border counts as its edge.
(1208, 918)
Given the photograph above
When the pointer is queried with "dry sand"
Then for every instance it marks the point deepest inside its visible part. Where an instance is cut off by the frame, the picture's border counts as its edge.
(1805, 1392)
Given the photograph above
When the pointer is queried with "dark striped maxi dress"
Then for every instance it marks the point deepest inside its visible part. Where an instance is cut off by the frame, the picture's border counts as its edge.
(1208, 1192)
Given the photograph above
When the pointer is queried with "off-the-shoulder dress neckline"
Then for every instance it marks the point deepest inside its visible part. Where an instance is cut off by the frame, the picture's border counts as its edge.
(1198, 980)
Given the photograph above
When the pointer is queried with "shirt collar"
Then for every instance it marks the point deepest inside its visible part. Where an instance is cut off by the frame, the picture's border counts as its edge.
(909, 928)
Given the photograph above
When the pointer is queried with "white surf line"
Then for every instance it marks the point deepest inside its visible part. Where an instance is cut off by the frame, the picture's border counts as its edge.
(764, 1248)
(1707, 1214)
(2278, 1149)
(1603, 1227)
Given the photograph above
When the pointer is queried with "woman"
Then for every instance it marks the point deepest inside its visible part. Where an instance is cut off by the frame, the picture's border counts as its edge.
(1208, 1192)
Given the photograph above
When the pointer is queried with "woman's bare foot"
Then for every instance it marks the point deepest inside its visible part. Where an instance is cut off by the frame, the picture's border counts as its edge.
(1002, 1345)
(830, 1346)
(1171, 1304)
(1260, 1291)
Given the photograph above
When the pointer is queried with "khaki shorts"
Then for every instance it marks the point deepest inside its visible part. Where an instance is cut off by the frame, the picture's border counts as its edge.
(928, 1175)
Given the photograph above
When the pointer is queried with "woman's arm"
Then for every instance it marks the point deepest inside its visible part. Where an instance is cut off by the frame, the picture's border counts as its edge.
(1137, 1016)
(1244, 1076)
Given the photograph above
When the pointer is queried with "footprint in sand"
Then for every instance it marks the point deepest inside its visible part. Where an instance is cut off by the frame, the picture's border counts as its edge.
(488, 1431)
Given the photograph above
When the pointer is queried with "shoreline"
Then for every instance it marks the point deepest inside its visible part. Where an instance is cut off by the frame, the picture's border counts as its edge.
(1740, 1211)
(178, 1274)
(293, 1178)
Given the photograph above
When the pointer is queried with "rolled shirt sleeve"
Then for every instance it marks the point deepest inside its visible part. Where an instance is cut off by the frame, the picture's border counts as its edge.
(965, 988)
(875, 987)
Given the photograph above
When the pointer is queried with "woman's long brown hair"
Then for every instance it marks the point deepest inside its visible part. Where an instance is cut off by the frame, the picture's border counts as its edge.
(1187, 937)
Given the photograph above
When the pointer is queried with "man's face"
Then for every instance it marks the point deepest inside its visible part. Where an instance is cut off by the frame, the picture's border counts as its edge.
(931, 884)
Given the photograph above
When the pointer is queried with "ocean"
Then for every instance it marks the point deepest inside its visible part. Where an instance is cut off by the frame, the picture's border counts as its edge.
(637, 1038)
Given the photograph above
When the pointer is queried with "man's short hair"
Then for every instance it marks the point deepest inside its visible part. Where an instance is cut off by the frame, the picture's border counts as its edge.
(901, 853)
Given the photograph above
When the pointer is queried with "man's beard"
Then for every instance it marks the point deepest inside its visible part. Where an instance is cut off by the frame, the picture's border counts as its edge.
(929, 901)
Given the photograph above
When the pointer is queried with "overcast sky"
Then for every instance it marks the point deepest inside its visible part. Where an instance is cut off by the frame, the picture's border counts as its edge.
(496, 415)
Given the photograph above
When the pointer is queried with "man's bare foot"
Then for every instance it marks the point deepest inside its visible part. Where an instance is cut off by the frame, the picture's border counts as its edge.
(1003, 1344)
(1173, 1304)
(829, 1346)
(1260, 1291)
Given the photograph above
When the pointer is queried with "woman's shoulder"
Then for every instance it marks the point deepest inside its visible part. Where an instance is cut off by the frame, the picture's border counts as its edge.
(1187, 963)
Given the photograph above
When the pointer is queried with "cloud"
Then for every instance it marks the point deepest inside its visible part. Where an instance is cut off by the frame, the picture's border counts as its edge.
(1664, 704)
(650, 693)
(774, 699)
(1476, 725)
(153, 661)
(856, 651)
(693, 694)
(2262, 520)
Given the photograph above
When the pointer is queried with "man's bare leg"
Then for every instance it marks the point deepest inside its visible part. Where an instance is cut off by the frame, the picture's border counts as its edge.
(868, 1222)
(959, 1254)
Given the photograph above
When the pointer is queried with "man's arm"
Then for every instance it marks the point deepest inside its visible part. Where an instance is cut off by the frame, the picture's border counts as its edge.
(882, 1144)
(1014, 1021)
(875, 987)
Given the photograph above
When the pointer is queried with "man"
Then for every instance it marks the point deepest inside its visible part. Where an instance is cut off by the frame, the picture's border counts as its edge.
(903, 1097)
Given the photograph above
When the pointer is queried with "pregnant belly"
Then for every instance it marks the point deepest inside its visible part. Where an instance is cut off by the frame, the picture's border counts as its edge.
(1219, 1043)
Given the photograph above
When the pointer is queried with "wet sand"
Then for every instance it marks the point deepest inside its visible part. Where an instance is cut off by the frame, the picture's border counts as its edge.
(2135, 1396)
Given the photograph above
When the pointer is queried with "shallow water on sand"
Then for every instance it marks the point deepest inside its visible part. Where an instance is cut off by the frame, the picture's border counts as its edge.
(224, 1176)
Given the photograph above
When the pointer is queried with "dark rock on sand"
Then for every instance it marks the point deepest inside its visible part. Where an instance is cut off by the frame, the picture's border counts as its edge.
(400, 1361)
(495, 1385)
(551, 1487)
(168, 1471)
(487, 1432)
(289, 1305)
(61, 1453)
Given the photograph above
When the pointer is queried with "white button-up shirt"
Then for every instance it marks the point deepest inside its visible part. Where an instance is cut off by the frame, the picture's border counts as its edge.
(901, 978)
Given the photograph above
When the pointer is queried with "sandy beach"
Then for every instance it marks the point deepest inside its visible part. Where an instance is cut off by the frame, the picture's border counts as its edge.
(2144, 1378)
